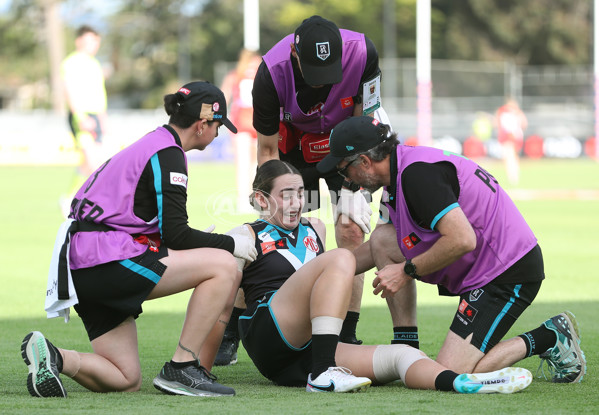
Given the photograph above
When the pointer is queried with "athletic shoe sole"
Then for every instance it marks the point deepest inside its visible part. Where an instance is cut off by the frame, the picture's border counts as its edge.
(176, 388)
(41, 380)
(360, 387)
(575, 333)
(508, 380)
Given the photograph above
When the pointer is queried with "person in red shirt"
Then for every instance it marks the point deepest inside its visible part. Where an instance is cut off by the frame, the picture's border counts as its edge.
(511, 123)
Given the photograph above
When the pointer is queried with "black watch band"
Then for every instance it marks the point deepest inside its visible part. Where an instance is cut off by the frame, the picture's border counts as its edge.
(410, 269)
(350, 185)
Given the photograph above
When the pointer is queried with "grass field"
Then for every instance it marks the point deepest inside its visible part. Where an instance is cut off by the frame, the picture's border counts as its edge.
(561, 205)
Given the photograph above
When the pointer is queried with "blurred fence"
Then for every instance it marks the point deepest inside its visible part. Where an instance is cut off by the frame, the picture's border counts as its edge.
(557, 100)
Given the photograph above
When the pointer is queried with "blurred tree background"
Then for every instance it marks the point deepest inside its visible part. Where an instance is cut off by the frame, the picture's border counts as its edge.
(152, 46)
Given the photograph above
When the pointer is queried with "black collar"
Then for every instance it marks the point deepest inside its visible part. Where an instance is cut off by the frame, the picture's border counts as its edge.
(174, 133)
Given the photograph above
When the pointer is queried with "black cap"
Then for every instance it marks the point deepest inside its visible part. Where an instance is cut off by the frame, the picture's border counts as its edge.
(354, 135)
(205, 101)
(318, 45)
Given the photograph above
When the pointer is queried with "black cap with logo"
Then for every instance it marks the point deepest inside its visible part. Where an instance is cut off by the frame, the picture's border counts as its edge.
(319, 47)
(351, 136)
(205, 101)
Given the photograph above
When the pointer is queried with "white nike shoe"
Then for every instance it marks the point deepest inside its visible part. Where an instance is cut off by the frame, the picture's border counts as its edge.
(337, 379)
(507, 380)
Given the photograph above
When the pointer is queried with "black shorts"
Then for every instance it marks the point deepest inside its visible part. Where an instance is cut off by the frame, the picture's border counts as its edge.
(110, 293)
(97, 133)
(489, 312)
(276, 359)
(312, 188)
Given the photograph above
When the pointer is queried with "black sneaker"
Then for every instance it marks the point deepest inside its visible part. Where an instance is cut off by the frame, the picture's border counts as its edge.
(227, 352)
(42, 359)
(192, 380)
(351, 339)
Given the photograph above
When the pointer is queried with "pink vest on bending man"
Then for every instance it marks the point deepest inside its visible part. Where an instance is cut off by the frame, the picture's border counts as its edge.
(339, 104)
(107, 197)
(502, 234)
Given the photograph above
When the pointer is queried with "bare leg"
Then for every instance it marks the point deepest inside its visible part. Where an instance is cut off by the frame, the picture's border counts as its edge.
(214, 339)
(212, 273)
(349, 235)
(385, 251)
(504, 354)
(307, 294)
(359, 359)
(458, 354)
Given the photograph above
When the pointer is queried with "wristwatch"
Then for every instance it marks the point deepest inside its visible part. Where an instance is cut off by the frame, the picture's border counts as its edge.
(350, 185)
(410, 269)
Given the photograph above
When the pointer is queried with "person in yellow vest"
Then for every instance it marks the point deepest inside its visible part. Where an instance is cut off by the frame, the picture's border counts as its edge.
(83, 81)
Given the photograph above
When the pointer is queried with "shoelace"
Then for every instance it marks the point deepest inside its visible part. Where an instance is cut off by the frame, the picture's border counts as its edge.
(206, 373)
(342, 369)
(550, 368)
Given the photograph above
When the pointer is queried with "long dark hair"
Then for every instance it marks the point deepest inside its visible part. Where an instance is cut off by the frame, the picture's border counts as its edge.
(266, 175)
(172, 106)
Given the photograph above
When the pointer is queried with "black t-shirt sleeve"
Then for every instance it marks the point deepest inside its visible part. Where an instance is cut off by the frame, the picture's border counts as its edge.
(167, 200)
(429, 190)
(372, 63)
(265, 101)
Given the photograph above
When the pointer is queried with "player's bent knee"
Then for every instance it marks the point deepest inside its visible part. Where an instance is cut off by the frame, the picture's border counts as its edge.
(342, 258)
(391, 361)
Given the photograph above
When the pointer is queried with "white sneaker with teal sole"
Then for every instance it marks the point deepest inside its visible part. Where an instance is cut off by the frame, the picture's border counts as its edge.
(507, 380)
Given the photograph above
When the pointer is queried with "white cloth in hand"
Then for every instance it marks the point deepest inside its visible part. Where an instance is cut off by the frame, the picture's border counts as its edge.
(245, 247)
(354, 206)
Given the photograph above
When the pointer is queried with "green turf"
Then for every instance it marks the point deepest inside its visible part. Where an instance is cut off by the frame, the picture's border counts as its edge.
(29, 216)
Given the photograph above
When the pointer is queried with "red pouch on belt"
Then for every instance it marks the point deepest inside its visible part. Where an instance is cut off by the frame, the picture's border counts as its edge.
(288, 137)
(314, 146)
(152, 240)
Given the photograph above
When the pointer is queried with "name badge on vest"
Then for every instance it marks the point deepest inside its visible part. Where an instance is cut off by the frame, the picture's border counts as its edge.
(371, 93)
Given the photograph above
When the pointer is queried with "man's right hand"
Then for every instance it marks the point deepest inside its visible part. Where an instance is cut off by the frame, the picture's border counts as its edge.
(355, 206)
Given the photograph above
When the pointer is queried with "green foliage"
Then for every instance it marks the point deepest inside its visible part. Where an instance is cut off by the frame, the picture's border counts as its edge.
(155, 44)
(22, 42)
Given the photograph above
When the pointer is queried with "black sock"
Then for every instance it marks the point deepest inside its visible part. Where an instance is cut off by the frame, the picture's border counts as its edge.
(324, 347)
(181, 365)
(232, 326)
(348, 330)
(444, 381)
(539, 340)
(406, 335)
(59, 362)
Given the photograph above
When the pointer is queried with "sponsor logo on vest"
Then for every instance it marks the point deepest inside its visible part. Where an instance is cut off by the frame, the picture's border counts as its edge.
(179, 179)
(347, 102)
(411, 240)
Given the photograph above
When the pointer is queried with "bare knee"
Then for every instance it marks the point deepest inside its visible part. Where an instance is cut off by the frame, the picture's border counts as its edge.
(133, 384)
(226, 271)
(383, 242)
(342, 259)
(348, 234)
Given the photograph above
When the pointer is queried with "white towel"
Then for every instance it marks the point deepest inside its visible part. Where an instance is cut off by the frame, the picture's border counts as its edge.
(53, 306)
